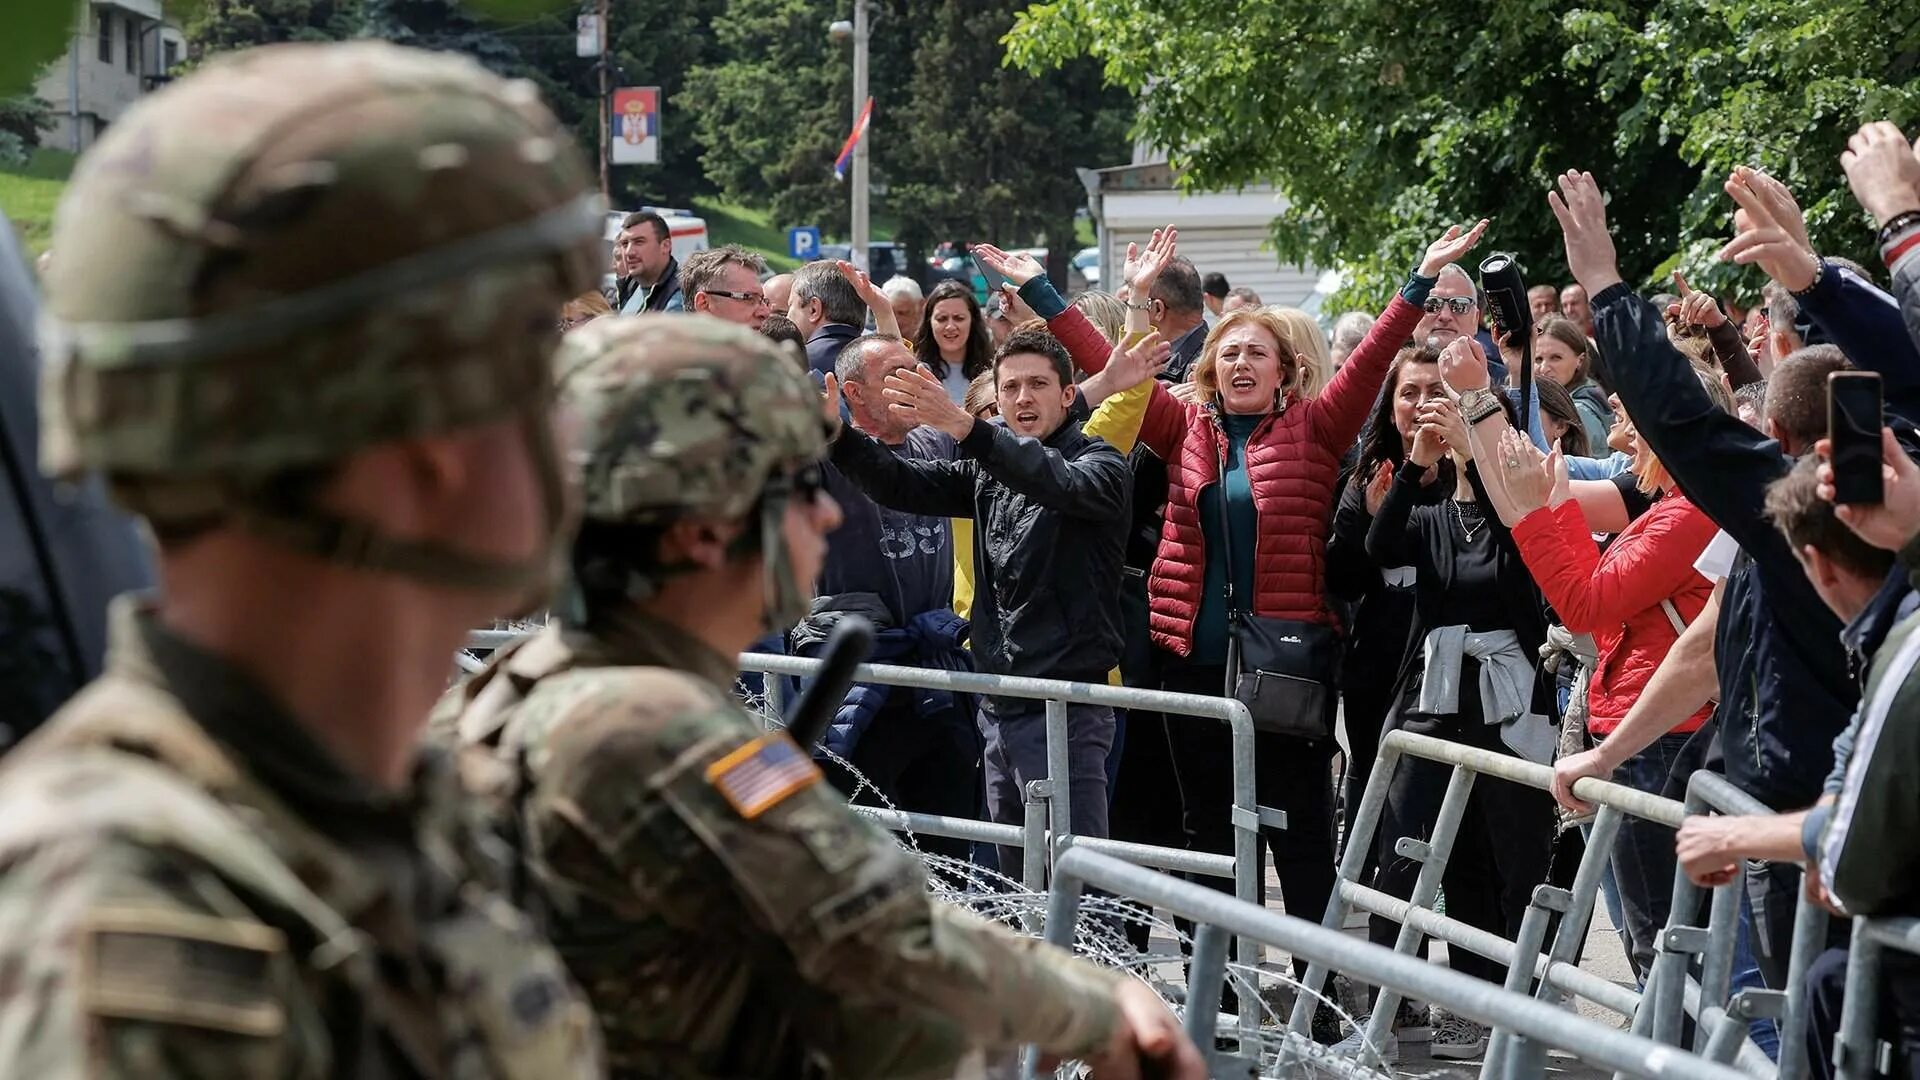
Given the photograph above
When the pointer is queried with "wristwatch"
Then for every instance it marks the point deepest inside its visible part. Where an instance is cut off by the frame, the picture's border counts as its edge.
(1477, 405)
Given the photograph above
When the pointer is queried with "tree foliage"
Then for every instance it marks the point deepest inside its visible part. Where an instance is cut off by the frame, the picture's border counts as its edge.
(963, 148)
(978, 151)
(1381, 123)
(771, 113)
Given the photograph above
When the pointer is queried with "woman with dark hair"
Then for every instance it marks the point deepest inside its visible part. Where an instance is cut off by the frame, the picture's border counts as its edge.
(1562, 354)
(953, 341)
(1381, 630)
(1561, 420)
(1469, 678)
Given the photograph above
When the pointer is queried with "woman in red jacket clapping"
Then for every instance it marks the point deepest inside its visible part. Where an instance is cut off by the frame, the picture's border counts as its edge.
(1634, 597)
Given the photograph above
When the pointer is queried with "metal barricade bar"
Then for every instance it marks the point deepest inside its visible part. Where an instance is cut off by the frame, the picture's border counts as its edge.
(1668, 998)
(1534, 1021)
(1246, 829)
(1856, 1054)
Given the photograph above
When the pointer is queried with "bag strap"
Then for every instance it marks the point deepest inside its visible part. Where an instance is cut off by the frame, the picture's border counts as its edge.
(1673, 616)
(1234, 613)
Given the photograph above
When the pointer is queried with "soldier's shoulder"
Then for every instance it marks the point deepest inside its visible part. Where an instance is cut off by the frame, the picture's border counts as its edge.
(140, 961)
(629, 706)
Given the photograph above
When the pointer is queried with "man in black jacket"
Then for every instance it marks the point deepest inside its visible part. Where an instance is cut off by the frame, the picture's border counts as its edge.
(1050, 507)
(1785, 690)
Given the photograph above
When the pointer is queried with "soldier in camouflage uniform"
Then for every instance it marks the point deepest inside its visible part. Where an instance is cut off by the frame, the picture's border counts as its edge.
(303, 322)
(727, 912)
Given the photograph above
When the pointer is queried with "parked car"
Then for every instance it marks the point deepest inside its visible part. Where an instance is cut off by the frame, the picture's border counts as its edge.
(1086, 264)
(884, 260)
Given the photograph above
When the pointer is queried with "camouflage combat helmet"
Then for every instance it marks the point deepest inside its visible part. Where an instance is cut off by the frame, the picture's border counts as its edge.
(687, 414)
(300, 251)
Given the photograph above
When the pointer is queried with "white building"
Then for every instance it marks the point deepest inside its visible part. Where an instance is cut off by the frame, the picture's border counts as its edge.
(120, 50)
(1220, 231)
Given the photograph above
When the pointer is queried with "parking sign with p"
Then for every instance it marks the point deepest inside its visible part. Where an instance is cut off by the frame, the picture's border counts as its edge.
(803, 242)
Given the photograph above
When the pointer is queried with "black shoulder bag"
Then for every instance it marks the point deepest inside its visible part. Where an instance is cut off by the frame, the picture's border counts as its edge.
(1283, 670)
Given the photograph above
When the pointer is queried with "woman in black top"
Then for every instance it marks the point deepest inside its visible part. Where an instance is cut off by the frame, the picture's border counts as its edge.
(1471, 575)
(1381, 628)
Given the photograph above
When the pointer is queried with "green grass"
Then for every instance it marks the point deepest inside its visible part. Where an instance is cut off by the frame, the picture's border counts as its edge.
(29, 193)
(731, 223)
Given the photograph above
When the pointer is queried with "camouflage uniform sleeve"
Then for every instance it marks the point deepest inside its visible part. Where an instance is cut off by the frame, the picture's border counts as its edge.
(629, 809)
(119, 961)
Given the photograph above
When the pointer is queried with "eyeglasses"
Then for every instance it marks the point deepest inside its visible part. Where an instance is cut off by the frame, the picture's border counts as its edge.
(754, 298)
(1459, 305)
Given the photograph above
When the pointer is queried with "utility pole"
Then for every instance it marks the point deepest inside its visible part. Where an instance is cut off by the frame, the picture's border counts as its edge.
(860, 35)
(606, 189)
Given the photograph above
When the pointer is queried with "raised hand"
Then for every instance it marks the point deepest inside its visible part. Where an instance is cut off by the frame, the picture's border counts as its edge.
(1695, 308)
(1582, 213)
(830, 401)
(1018, 269)
(1143, 268)
(917, 397)
(1883, 171)
(883, 318)
(1896, 519)
(1376, 492)
(1773, 230)
(1145, 359)
(1528, 478)
(1127, 368)
(1017, 310)
(1445, 415)
(1556, 466)
(1463, 366)
(1452, 244)
(1429, 443)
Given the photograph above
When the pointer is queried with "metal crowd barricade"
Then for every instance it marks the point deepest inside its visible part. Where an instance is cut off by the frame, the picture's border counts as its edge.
(1048, 831)
(1045, 835)
(1858, 1053)
(1533, 1025)
(1671, 991)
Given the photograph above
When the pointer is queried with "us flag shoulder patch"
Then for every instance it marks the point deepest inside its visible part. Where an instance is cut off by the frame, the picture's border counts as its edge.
(757, 776)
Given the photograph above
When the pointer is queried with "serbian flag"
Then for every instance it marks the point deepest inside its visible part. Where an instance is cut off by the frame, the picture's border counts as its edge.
(859, 132)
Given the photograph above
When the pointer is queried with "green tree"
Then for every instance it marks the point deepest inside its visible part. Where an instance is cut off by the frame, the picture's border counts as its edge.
(978, 151)
(1380, 123)
(770, 113)
(213, 26)
(656, 44)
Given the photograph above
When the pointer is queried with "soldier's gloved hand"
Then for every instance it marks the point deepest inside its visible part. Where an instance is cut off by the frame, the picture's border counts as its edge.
(1148, 1041)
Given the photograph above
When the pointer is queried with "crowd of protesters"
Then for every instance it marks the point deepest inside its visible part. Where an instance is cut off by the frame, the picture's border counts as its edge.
(1629, 566)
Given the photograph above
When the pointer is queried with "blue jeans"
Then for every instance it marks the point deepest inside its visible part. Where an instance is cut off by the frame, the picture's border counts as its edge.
(1746, 976)
(1643, 862)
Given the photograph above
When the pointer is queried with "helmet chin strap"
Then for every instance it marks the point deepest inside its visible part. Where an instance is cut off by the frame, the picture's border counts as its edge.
(786, 602)
(362, 545)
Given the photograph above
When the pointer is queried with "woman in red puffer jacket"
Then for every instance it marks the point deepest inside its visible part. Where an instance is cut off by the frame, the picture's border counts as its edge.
(1282, 454)
(1634, 597)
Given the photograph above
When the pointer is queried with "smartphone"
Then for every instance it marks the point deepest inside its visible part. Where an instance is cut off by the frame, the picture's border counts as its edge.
(1853, 428)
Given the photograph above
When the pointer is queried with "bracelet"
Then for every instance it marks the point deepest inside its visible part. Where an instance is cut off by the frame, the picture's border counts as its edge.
(1131, 306)
(1897, 223)
(1819, 271)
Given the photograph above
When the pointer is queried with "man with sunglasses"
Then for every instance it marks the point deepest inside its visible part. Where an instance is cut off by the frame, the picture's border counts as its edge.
(1453, 310)
(725, 282)
(726, 911)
